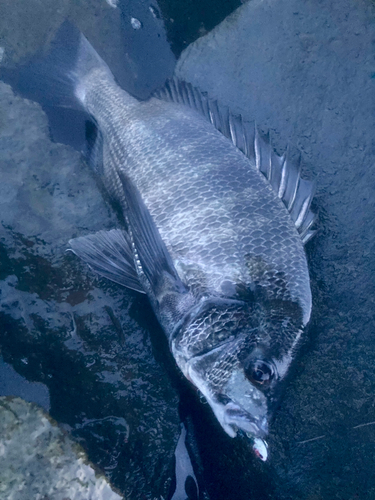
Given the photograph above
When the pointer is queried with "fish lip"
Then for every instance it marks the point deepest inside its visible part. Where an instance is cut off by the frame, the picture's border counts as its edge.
(237, 418)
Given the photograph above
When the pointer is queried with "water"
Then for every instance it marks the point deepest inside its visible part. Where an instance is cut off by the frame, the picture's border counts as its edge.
(306, 71)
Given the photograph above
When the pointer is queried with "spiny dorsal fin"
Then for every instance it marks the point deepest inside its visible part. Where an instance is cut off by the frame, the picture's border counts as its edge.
(282, 173)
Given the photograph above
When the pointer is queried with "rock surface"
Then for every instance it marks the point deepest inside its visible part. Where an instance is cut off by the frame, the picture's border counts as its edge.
(39, 461)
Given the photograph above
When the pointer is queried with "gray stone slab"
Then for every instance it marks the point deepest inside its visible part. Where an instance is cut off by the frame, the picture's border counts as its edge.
(38, 460)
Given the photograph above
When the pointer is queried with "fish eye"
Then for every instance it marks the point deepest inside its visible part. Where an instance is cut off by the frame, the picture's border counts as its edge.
(259, 372)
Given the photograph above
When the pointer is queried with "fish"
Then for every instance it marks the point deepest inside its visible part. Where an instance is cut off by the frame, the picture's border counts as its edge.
(216, 224)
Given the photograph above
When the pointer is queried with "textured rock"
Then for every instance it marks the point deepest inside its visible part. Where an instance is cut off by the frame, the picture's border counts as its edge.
(39, 461)
(45, 193)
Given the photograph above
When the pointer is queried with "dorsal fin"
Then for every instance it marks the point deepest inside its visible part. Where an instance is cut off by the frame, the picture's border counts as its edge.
(282, 173)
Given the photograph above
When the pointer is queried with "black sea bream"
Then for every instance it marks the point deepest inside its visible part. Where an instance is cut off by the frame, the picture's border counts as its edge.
(216, 226)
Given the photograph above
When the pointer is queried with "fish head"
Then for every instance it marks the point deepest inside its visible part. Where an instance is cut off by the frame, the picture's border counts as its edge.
(239, 392)
(242, 376)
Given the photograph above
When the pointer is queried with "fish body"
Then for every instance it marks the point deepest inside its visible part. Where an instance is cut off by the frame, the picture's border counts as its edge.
(210, 239)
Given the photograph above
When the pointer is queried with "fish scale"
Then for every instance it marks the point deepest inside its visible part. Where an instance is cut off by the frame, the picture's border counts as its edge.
(196, 198)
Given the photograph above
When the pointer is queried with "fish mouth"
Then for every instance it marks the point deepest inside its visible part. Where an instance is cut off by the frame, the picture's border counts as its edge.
(235, 418)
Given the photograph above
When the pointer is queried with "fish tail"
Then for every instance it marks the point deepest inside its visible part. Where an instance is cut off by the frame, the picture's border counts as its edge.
(61, 77)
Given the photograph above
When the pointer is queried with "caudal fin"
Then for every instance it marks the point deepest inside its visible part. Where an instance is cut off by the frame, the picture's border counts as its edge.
(59, 78)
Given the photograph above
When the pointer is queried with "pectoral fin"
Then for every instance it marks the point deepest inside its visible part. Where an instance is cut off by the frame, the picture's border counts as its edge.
(109, 253)
(153, 256)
